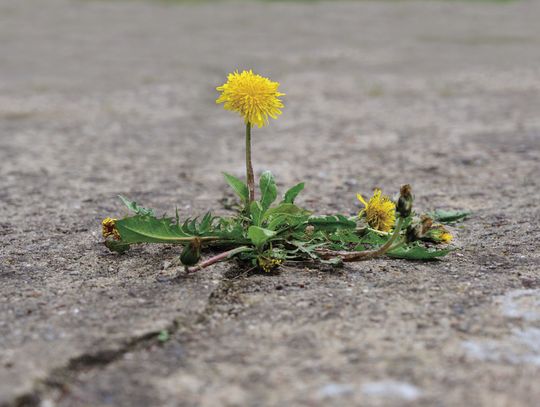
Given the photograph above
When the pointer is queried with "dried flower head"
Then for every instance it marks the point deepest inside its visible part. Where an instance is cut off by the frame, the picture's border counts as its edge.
(108, 228)
(253, 96)
(380, 211)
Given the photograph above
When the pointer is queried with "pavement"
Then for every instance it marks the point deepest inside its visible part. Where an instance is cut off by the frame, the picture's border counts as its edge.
(100, 98)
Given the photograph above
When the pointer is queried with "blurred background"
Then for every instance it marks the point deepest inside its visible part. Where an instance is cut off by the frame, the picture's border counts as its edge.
(135, 80)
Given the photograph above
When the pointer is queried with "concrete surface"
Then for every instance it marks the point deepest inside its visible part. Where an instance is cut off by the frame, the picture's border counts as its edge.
(99, 98)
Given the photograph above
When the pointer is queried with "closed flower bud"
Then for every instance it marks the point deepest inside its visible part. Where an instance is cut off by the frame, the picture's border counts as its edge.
(405, 201)
(191, 253)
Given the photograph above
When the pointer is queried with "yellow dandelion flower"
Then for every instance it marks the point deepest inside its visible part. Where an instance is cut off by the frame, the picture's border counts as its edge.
(447, 237)
(108, 228)
(439, 234)
(253, 96)
(380, 211)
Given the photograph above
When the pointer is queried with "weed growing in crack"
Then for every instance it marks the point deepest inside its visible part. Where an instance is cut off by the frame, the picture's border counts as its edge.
(268, 232)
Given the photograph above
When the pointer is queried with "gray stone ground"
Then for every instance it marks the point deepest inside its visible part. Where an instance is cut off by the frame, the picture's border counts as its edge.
(100, 98)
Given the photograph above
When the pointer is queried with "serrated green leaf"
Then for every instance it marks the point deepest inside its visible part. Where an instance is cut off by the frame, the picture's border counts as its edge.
(134, 207)
(285, 214)
(206, 223)
(417, 252)
(238, 186)
(373, 239)
(259, 236)
(292, 193)
(331, 223)
(148, 229)
(286, 221)
(268, 188)
(231, 229)
(344, 236)
(448, 216)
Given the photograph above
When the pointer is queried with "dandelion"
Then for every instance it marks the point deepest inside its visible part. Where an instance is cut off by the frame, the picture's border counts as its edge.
(268, 264)
(380, 211)
(439, 234)
(108, 228)
(256, 98)
(446, 237)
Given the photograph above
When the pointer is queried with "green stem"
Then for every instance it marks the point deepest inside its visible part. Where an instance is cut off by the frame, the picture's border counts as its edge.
(397, 245)
(383, 249)
(249, 166)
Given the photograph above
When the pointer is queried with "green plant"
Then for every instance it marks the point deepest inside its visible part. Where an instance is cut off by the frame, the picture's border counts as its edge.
(273, 230)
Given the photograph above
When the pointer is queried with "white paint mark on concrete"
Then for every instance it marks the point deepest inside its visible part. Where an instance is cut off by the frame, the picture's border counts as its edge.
(523, 304)
(335, 390)
(521, 347)
(391, 389)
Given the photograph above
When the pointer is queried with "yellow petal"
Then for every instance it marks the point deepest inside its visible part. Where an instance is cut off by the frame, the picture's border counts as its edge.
(361, 199)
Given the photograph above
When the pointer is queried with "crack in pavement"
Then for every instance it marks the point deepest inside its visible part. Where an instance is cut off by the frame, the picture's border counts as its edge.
(62, 377)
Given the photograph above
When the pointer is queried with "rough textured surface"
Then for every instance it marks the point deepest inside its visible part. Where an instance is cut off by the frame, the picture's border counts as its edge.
(101, 98)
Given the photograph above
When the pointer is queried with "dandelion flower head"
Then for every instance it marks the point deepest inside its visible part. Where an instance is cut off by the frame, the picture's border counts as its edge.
(380, 211)
(255, 97)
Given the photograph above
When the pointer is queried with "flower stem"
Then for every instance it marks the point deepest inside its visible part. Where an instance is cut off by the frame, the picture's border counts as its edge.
(249, 167)
(215, 259)
(383, 249)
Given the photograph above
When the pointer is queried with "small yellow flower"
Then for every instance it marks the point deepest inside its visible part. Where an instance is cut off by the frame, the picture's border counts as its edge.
(439, 234)
(269, 264)
(253, 96)
(108, 228)
(446, 237)
(380, 211)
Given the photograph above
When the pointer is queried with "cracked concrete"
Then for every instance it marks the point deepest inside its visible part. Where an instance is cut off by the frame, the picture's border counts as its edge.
(101, 98)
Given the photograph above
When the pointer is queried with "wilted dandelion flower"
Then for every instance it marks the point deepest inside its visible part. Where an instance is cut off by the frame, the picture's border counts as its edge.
(253, 96)
(380, 211)
(439, 234)
(108, 228)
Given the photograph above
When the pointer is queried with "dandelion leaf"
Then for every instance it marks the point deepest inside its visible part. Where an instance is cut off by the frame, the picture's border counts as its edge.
(292, 193)
(135, 208)
(268, 187)
(448, 216)
(238, 186)
(417, 252)
(331, 223)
